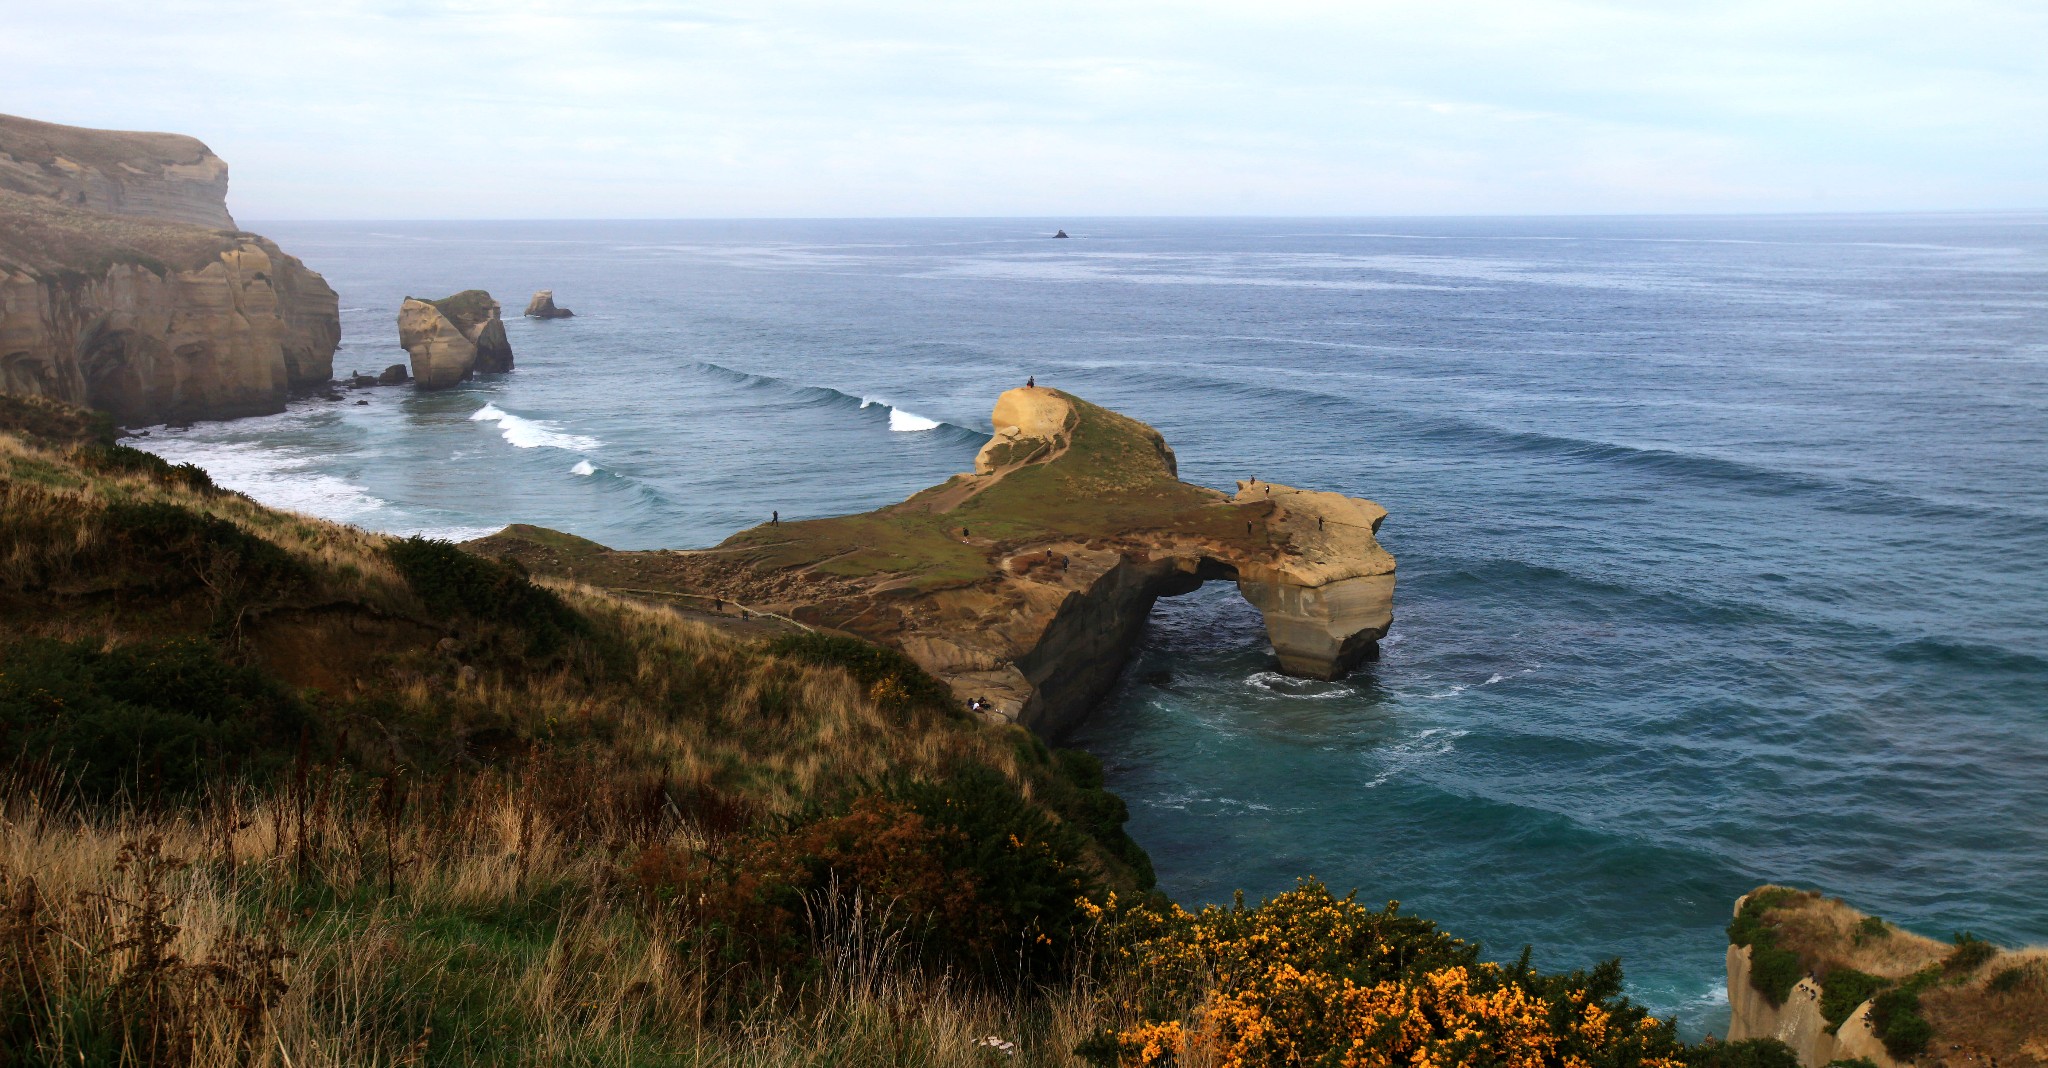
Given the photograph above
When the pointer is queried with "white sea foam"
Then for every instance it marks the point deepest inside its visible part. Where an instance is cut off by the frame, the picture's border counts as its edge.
(1280, 685)
(1434, 742)
(910, 422)
(1497, 677)
(525, 433)
(583, 468)
(272, 476)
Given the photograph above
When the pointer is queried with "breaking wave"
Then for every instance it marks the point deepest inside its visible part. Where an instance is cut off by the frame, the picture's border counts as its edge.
(523, 433)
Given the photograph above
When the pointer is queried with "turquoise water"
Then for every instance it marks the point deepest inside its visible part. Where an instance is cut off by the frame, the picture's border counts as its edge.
(1723, 542)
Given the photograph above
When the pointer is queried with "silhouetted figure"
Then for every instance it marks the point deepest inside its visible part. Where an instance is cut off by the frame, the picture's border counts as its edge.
(963, 532)
(774, 519)
(1269, 491)
(1247, 526)
(1319, 522)
(1031, 382)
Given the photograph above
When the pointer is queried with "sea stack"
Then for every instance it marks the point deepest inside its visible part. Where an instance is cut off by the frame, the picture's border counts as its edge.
(126, 286)
(454, 337)
(542, 306)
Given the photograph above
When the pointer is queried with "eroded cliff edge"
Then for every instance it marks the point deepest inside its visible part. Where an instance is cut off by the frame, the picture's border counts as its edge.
(1837, 985)
(1025, 582)
(125, 286)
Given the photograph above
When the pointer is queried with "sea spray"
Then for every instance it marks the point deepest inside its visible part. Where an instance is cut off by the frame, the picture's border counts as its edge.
(526, 433)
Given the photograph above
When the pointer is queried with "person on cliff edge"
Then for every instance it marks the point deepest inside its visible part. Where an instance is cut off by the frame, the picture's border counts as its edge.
(1031, 382)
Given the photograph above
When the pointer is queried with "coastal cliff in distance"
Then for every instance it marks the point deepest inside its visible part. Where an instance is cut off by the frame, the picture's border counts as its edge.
(1026, 582)
(125, 285)
(1837, 985)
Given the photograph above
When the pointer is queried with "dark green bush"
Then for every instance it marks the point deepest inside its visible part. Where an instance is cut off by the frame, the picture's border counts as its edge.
(455, 583)
(1970, 954)
(1870, 927)
(1845, 989)
(1075, 791)
(1748, 1053)
(122, 460)
(158, 717)
(1852, 1062)
(2007, 980)
(1895, 1016)
(882, 670)
(1026, 867)
(1773, 971)
(173, 547)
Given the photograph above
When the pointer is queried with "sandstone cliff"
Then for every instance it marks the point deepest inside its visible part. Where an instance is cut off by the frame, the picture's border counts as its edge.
(1026, 582)
(123, 285)
(1837, 985)
(451, 338)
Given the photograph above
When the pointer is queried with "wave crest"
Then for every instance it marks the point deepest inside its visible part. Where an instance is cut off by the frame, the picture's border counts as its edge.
(524, 433)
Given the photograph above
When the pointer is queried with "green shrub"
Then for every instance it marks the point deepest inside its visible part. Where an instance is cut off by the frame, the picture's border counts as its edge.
(1970, 954)
(1772, 971)
(1870, 927)
(893, 679)
(1852, 1062)
(1748, 1053)
(1895, 1016)
(1844, 989)
(2007, 980)
(455, 583)
(155, 717)
(1075, 791)
(122, 460)
(1026, 867)
(172, 547)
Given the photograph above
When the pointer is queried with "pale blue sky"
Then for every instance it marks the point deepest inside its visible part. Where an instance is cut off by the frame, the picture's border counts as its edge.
(616, 108)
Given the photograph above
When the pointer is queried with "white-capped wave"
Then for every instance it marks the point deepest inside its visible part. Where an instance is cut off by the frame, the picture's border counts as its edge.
(583, 468)
(526, 433)
(910, 422)
(1497, 677)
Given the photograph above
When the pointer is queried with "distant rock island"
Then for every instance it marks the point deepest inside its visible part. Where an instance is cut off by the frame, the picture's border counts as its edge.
(1025, 583)
(542, 306)
(454, 337)
(126, 286)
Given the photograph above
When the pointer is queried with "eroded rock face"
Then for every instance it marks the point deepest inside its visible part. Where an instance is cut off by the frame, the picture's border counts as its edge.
(542, 306)
(451, 338)
(162, 176)
(123, 285)
(1798, 1023)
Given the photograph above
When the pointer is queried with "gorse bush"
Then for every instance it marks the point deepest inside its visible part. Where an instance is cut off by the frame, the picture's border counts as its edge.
(1970, 954)
(455, 583)
(154, 718)
(1748, 1053)
(1311, 978)
(1895, 1016)
(182, 548)
(121, 460)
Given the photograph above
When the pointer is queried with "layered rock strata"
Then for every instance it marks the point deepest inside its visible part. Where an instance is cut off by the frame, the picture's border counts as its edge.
(454, 337)
(1026, 583)
(542, 306)
(124, 287)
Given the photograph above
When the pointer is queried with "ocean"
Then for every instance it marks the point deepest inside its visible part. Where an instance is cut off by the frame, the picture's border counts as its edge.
(1723, 541)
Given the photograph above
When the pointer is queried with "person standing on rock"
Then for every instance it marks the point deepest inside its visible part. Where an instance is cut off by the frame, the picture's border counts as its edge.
(1031, 382)
(774, 519)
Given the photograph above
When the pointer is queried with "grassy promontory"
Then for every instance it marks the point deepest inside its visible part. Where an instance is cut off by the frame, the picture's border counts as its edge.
(279, 791)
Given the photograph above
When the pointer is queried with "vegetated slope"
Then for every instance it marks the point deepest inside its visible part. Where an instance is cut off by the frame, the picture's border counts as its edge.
(277, 790)
(1966, 1000)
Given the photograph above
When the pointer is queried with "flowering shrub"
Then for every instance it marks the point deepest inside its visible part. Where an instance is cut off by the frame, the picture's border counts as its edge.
(1309, 978)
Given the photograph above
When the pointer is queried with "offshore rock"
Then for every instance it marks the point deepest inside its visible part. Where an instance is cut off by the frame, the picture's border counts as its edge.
(124, 287)
(542, 306)
(1027, 582)
(454, 337)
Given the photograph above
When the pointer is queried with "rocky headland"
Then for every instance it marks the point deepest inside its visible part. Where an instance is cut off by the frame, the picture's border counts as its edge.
(1025, 582)
(1836, 985)
(125, 285)
(454, 337)
(542, 306)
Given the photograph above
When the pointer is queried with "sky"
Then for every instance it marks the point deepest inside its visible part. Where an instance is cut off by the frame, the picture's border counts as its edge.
(360, 109)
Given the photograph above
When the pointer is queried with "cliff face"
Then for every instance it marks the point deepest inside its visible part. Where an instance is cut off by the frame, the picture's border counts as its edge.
(1026, 582)
(124, 287)
(1798, 1023)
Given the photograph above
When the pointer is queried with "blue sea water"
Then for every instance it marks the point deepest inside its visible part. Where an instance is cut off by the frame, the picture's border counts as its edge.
(1723, 541)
